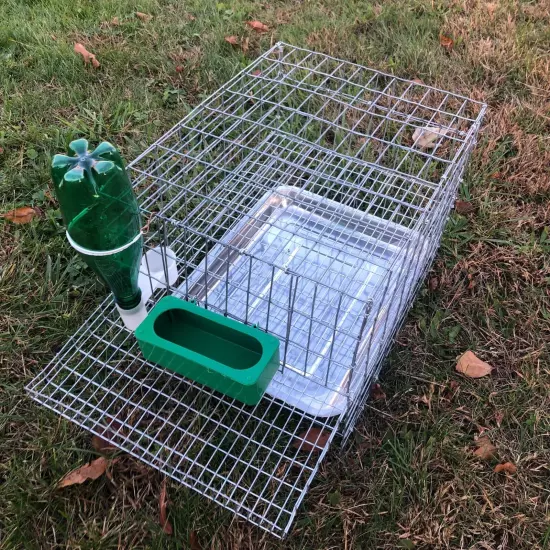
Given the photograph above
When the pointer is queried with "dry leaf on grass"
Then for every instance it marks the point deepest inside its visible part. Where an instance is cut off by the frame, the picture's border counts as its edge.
(377, 393)
(258, 26)
(194, 543)
(485, 449)
(470, 365)
(179, 68)
(313, 439)
(446, 41)
(93, 470)
(24, 214)
(433, 283)
(499, 417)
(464, 207)
(163, 516)
(233, 40)
(426, 137)
(418, 81)
(88, 56)
(508, 467)
(145, 17)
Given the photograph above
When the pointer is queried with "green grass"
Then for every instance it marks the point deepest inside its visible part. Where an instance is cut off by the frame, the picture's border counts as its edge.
(408, 478)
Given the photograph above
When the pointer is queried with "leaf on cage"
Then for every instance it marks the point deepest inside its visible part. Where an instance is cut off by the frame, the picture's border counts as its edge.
(426, 137)
(418, 81)
(485, 449)
(507, 467)
(194, 543)
(233, 40)
(377, 393)
(471, 366)
(313, 439)
(258, 26)
(96, 468)
(145, 17)
(446, 41)
(464, 207)
(88, 57)
(163, 515)
(24, 214)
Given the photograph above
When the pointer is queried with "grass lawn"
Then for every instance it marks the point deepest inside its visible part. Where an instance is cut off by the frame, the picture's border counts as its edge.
(408, 478)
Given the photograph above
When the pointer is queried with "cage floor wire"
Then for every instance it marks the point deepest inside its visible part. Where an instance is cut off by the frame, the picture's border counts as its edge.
(296, 198)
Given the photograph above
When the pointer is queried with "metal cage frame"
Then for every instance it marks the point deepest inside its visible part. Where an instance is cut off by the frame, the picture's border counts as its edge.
(307, 196)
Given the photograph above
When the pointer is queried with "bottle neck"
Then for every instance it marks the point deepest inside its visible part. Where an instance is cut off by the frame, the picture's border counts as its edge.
(130, 303)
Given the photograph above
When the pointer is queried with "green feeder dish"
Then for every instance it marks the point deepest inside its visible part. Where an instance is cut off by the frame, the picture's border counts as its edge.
(228, 356)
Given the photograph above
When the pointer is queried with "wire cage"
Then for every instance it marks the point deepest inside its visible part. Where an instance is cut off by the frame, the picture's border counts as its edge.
(307, 196)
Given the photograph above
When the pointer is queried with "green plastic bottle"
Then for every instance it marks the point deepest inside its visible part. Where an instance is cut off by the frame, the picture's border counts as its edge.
(103, 222)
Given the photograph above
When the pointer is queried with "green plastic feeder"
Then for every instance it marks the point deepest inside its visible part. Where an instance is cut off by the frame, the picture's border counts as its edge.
(228, 356)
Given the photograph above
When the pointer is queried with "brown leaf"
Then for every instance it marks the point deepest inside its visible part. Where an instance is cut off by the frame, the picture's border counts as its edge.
(88, 56)
(377, 393)
(1, 150)
(499, 417)
(24, 214)
(426, 137)
(258, 26)
(179, 68)
(102, 445)
(446, 41)
(145, 17)
(163, 517)
(433, 283)
(485, 449)
(115, 21)
(464, 207)
(418, 81)
(233, 40)
(508, 467)
(257, 72)
(194, 543)
(471, 366)
(313, 439)
(93, 470)
(244, 44)
(190, 17)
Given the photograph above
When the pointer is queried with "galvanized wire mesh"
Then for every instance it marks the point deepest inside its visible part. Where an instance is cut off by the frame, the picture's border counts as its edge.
(301, 197)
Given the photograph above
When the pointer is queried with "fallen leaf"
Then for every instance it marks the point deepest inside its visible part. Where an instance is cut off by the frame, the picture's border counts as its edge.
(418, 81)
(190, 17)
(499, 417)
(258, 26)
(1, 150)
(102, 445)
(377, 393)
(93, 470)
(244, 44)
(194, 543)
(446, 41)
(471, 366)
(115, 21)
(454, 385)
(145, 17)
(464, 207)
(24, 214)
(179, 68)
(88, 56)
(313, 439)
(426, 137)
(257, 72)
(233, 40)
(508, 467)
(485, 449)
(163, 517)
(433, 283)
